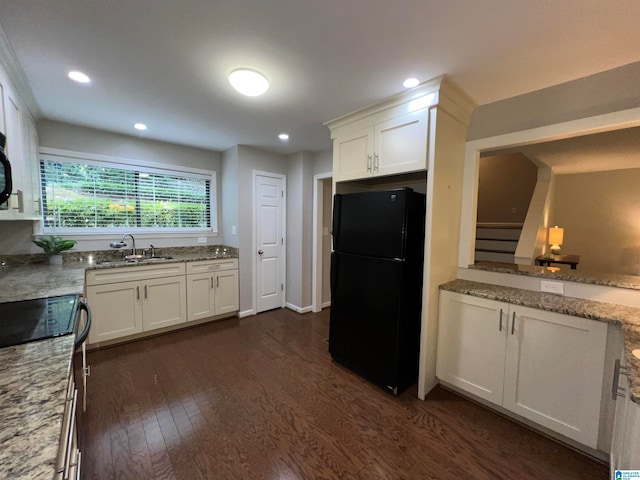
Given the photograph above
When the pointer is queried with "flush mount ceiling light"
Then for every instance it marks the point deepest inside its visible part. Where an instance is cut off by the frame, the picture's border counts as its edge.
(410, 82)
(78, 77)
(284, 137)
(248, 82)
(140, 126)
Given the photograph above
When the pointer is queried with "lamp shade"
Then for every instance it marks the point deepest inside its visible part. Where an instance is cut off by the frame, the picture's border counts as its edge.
(556, 235)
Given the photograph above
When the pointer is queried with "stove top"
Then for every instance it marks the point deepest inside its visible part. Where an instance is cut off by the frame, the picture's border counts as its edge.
(30, 320)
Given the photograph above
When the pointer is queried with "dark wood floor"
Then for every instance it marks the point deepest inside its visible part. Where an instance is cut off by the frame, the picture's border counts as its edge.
(260, 398)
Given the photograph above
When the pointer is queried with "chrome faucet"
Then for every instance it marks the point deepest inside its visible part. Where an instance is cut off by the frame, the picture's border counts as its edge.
(122, 244)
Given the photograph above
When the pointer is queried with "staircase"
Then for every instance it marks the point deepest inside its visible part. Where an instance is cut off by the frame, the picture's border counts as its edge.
(497, 242)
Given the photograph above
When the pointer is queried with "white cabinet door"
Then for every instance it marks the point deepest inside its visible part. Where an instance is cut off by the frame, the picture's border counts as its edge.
(625, 444)
(553, 372)
(116, 310)
(630, 455)
(226, 292)
(472, 344)
(353, 155)
(200, 296)
(164, 302)
(401, 144)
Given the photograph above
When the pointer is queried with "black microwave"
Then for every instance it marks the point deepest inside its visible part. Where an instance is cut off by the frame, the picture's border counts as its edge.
(5, 172)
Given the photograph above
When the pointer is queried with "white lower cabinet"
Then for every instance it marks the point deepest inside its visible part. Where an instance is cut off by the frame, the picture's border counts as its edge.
(543, 366)
(212, 288)
(625, 444)
(154, 298)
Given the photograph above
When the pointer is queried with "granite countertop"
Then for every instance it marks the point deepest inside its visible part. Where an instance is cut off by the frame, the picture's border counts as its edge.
(580, 276)
(32, 401)
(27, 281)
(627, 317)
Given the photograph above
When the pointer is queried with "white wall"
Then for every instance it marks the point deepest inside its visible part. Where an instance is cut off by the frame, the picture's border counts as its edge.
(299, 230)
(229, 189)
(600, 214)
(605, 92)
(250, 159)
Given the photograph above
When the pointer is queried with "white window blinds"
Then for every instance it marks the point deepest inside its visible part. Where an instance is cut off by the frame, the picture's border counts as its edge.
(95, 197)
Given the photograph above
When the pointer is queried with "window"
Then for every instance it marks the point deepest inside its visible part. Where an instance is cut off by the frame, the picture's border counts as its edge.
(87, 196)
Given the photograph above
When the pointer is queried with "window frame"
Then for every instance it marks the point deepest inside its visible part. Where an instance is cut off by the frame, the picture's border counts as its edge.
(64, 156)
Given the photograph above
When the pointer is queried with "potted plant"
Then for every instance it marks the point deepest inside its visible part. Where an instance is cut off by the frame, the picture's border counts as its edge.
(53, 246)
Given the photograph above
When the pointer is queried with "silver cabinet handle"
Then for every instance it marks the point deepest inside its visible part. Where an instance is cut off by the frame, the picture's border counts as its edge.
(145, 292)
(616, 390)
(369, 161)
(500, 324)
(211, 282)
(217, 282)
(138, 293)
(376, 162)
(513, 323)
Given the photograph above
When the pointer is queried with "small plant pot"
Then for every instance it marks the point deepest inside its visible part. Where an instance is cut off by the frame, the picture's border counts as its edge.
(55, 260)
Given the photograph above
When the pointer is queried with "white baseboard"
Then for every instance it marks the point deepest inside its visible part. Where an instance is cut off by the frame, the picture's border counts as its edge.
(298, 309)
(246, 313)
(326, 304)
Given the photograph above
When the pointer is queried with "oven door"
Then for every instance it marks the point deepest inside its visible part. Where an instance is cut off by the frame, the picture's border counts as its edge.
(5, 174)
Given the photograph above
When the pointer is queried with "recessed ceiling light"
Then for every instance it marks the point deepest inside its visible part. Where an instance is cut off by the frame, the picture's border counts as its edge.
(78, 77)
(248, 82)
(284, 137)
(140, 126)
(410, 82)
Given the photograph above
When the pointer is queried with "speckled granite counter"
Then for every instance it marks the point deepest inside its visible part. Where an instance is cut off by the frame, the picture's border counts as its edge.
(32, 400)
(555, 273)
(627, 317)
(24, 282)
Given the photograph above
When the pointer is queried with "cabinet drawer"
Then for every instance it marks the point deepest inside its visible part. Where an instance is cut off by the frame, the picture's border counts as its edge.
(205, 266)
(127, 274)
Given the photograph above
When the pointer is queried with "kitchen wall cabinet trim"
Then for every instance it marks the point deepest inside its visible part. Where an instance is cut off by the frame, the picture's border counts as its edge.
(543, 366)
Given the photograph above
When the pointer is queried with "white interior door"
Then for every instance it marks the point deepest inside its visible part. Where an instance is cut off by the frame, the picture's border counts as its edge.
(269, 206)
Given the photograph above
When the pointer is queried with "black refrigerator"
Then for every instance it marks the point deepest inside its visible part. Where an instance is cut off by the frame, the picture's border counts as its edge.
(376, 285)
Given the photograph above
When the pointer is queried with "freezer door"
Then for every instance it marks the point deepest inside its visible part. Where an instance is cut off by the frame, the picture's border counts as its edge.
(371, 223)
(365, 315)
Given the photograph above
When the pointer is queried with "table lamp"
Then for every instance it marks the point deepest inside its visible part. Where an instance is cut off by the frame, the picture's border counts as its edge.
(556, 235)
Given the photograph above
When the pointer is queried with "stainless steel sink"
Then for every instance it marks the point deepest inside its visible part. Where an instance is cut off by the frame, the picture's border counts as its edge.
(151, 259)
(133, 257)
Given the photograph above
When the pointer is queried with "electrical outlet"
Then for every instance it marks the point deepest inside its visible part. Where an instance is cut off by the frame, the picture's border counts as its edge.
(552, 287)
(202, 239)
(234, 231)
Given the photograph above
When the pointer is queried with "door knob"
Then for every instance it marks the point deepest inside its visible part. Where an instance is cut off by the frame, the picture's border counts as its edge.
(260, 252)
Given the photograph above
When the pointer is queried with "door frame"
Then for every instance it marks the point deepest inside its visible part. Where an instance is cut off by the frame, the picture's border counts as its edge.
(283, 260)
(318, 220)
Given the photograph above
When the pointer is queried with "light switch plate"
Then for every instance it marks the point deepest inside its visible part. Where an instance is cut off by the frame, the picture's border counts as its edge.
(552, 287)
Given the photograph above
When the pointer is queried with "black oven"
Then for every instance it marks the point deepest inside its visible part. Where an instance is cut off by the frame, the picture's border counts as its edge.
(5, 173)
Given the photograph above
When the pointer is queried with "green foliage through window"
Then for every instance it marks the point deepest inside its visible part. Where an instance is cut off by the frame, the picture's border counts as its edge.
(87, 197)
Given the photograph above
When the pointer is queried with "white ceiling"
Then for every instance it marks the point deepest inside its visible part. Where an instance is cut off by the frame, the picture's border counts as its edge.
(165, 62)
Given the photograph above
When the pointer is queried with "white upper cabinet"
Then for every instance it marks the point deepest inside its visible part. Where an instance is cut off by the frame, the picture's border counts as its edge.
(395, 136)
(21, 150)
